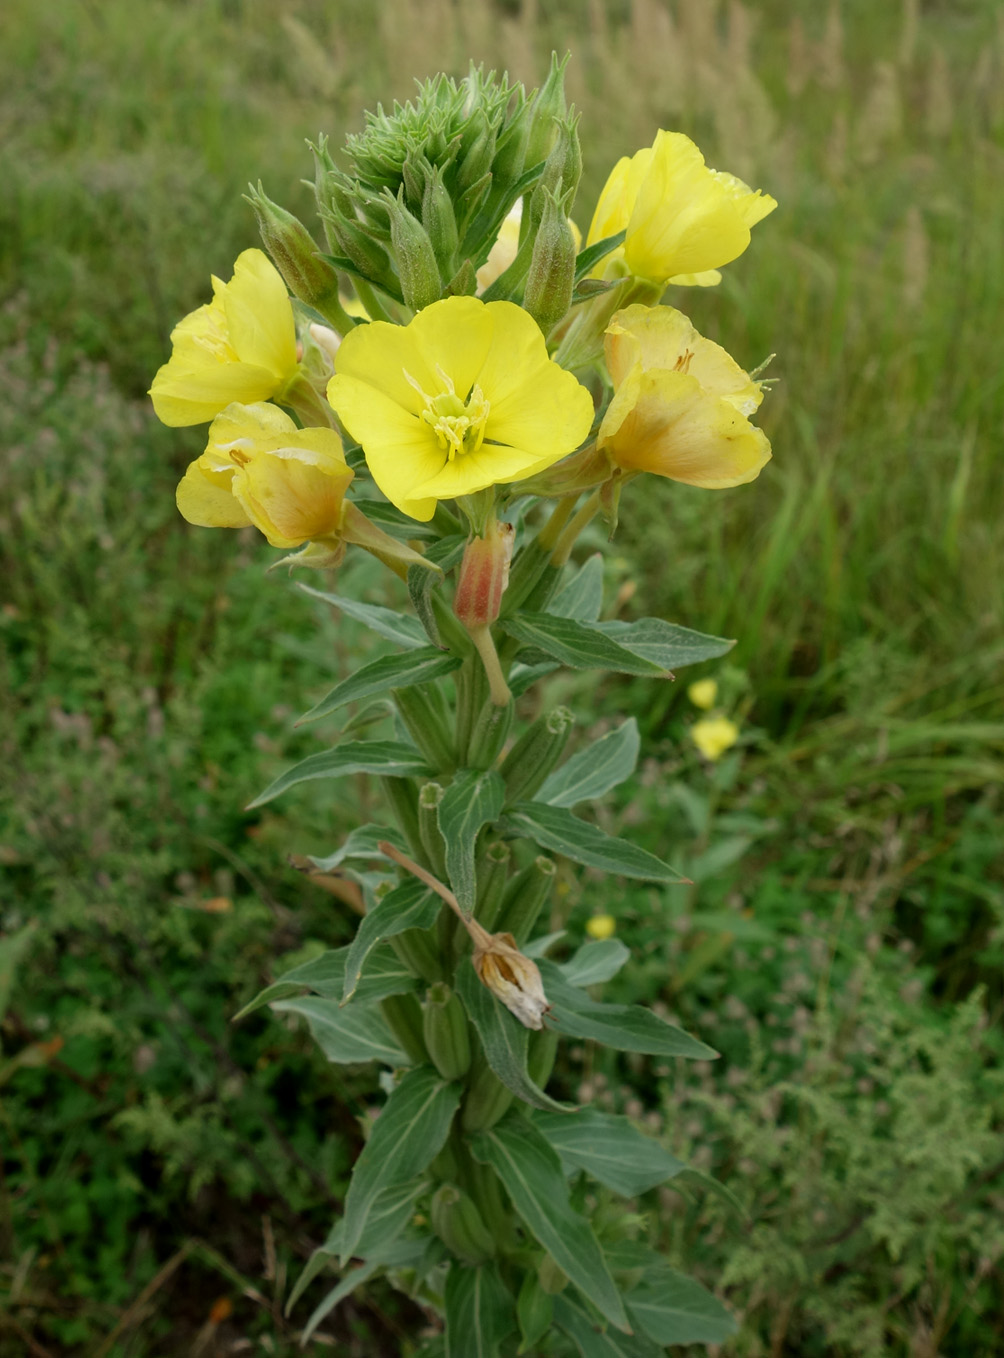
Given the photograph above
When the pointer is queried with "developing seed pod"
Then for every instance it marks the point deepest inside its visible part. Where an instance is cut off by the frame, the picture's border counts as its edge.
(486, 1100)
(493, 874)
(536, 753)
(404, 1018)
(526, 896)
(444, 1027)
(459, 1225)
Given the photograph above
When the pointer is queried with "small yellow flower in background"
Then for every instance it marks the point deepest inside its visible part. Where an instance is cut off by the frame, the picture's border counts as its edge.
(462, 398)
(683, 220)
(680, 403)
(240, 347)
(260, 469)
(601, 926)
(714, 735)
(703, 692)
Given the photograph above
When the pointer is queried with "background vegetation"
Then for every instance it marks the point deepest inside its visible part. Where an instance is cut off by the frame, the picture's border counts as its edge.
(164, 1173)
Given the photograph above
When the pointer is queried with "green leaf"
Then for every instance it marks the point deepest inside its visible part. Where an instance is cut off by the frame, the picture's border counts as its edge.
(535, 1311)
(522, 677)
(391, 1213)
(555, 828)
(409, 906)
(390, 671)
(625, 1027)
(408, 1134)
(595, 962)
(474, 798)
(609, 1148)
(579, 645)
(383, 975)
(445, 553)
(480, 1313)
(396, 627)
(395, 522)
(539, 947)
(674, 1309)
(346, 1036)
(503, 1038)
(588, 258)
(582, 597)
(389, 757)
(362, 842)
(531, 1174)
(664, 643)
(12, 949)
(353, 1279)
(572, 1316)
(595, 770)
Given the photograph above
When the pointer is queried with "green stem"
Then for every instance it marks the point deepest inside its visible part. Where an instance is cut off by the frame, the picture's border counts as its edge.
(566, 541)
(403, 798)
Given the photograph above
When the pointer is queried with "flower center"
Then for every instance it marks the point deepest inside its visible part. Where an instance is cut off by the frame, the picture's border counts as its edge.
(459, 425)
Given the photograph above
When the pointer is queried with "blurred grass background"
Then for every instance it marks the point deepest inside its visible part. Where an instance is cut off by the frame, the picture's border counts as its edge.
(163, 1173)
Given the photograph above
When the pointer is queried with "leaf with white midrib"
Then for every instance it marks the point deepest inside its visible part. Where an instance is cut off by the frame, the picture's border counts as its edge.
(411, 905)
(346, 1037)
(389, 672)
(665, 643)
(674, 1309)
(389, 757)
(480, 1311)
(409, 1133)
(582, 597)
(610, 1148)
(595, 770)
(396, 627)
(595, 962)
(579, 645)
(532, 1176)
(555, 828)
(475, 798)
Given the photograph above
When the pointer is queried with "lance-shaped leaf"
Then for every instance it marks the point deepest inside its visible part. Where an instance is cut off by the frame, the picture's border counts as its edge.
(522, 677)
(409, 906)
(408, 1134)
(582, 597)
(555, 828)
(348, 1284)
(503, 1037)
(595, 770)
(531, 1174)
(383, 975)
(588, 258)
(363, 842)
(664, 643)
(391, 1213)
(446, 552)
(389, 757)
(346, 1036)
(609, 1148)
(579, 645)
(379, 676)
(397, 627)
(480, 1312)
(674, 1309)
(595, 962)
(474, 798)
(625, 1027)
(592, 1341)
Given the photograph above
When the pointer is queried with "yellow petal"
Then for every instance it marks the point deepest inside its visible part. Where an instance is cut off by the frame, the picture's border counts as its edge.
(183, 396)
(205, 498)
(714, 735)
(291, 500)
(663, 422)
(260, 316)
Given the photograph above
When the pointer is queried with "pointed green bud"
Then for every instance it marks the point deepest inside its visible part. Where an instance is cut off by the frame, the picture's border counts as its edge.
(360, 249)
(536, 753)
(460, 1227)
(548, 105)
(444, 1027)
(550, 279)
(510, 151)
(477, 151)
(562, 171)
(440, 222)
(294, 252)
(417, 269)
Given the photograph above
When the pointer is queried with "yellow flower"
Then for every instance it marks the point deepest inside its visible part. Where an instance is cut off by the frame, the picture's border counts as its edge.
(714, 735)
(680, 403)
(260, 469)
(703, 692)
(601, 926)
(240, 347)
(462, 398)
(682, 219)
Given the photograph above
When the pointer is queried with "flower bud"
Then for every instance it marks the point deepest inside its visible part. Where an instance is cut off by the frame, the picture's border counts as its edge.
(460, 1227)
(294, 252)
(366, 256)
(444, 1027)
(417, 269)
(526, 896)
(484, 575)
(551, 277)
(440, 222)
(512, 977)
(477, 151)
(553, 1279)
(548, 105)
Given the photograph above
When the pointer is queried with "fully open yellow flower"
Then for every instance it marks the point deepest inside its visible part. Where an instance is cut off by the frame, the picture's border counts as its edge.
(683, 220)
(680, 403)
(240, 347)
(462, 398)
(260, 469)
